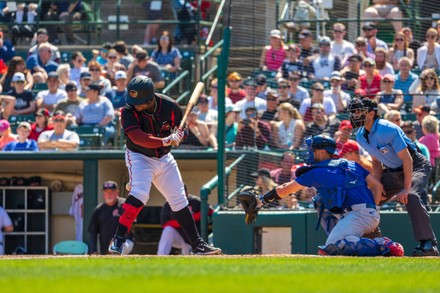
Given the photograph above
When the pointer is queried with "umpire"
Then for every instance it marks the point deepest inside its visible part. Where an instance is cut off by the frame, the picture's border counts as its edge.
(398, 162)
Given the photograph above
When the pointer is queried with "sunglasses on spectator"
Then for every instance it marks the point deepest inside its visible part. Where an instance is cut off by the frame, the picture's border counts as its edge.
(164, 38)
(360, 44)
(71, 90)
(429, 78)
(368, 65)
(318, 90)
(318, 111)
(294, 78)
(203, 101)
(233, 80)
(367, 29)
(19, 82)
(410, 131)
(397, 120)
(112, 57)
(324, 45)
(271, 99)
(387, 81)
(399, 40)
(58, 120)
(94, 69)
(338, 31)
(431, 36)
(284, 87)
(214, 87)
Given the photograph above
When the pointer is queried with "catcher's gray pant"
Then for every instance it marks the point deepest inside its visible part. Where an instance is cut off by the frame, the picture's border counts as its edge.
(171, 238)
(393, 182)
(357, 222)
(162, 172)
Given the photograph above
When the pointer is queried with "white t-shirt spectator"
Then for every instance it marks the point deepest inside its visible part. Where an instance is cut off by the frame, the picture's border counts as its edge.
(345, 97)
(50, 135)
(258, 103)
(329, 106)
(52, 98)
(342, 50)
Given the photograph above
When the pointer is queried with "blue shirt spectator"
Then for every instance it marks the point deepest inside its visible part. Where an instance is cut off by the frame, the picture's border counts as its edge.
(405, 78)
(117, 98)
(35, 61)
(23, 143)
(7, 50)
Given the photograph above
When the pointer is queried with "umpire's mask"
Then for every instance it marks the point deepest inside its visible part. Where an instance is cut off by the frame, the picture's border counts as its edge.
(359, 109)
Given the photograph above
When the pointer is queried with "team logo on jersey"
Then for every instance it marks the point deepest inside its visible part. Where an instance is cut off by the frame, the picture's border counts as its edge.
(166, 126)
(383, 150)
(133, 94)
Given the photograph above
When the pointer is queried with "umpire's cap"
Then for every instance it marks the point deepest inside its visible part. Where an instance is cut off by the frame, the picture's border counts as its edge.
(140, 90)
(324, 142)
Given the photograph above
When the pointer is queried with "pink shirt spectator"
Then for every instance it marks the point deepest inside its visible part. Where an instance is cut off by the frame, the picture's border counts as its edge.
(275, 58)
(432, 143)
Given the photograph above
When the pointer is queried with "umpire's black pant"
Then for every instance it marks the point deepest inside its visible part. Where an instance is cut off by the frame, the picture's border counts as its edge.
(393, 182)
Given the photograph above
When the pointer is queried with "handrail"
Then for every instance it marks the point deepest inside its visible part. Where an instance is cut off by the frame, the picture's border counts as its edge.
(203, 65)
(212, 50)
(175, 81)
(208, 74)
(214, 23)
(204, 195)
(182, 96)
(234, 193)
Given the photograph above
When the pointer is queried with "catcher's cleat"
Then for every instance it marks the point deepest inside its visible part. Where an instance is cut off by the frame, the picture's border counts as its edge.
(116, 245)
(203, 248)
(426, 248)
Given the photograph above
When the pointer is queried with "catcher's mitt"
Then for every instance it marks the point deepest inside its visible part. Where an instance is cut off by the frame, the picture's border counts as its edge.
(248, 199)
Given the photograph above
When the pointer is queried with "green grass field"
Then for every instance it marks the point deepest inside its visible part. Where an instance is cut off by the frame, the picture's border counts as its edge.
(224, 274)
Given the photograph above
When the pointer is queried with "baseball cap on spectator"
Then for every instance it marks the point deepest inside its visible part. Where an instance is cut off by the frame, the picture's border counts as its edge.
(203, 99)
(275, 34)
(93, 86)
(52, 74)
(263, 172)
(232, 109)
(24, 124)
(110, 185)
(41, 31)
(85, 75)
(318, 85)
(360, 92)
(71, 86)
(369, 61)
(249, 82)
(324, 40)
(318, 106)
(142, 55)
(355, 57)
(59, 115)
(106, 46)
(305, 33)
(423, 108)
(234, 76)
(282, 81)
(349, 146)
(42, 112)
(18, 76)
(260, 79)
(345, 124)
(368, 26)
(389, 77)
(120, 74)
(4, 124)
(335, 75)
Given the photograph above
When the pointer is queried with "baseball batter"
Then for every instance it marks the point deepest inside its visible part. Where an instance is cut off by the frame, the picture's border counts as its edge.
(400, 165)
(343, 186)
(150, 122)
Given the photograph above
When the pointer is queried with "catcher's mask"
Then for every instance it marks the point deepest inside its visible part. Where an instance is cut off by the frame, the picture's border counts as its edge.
(359, 108)
(319, 142)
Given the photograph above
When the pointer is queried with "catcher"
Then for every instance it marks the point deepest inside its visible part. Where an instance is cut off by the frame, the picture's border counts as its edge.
(343, 187)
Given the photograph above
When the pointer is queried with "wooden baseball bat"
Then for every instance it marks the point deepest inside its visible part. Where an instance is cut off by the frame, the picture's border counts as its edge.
(192, 102)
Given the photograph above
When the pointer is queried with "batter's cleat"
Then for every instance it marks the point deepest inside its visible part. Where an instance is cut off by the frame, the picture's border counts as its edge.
(426, 248)
(392, 248)
(116, 245)
(203, 248)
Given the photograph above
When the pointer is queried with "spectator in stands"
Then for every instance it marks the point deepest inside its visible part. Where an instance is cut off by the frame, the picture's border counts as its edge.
(50, 97)
(317, 97)
(296, 91)
(234, 92)
(65, 12)
(410, 132)
(117, 94)
(70, 105)
(166, 55)
(263, 184)
(24, 99)
(96, 72)
(125, 58)
(85, 80)
(23, 19)
(273, 55)
(430, 128)
(7, 51)
(370, 33)
(109, 67)
(428, 55)
(42, 123)
(63, 72)
(41, 64)
(371, 80)
(284, 95)
(340, 47)
(250, 100)
(7, 104)
(143, 66)
(231, 126)
(412, 43)
(199, 134)
(205, 114)
(343, 134)
(351, 151)
(405, 78)
(400, 49)
(292, 63)
(23, 143)
(428, 89)
(340, 98)
(361, 46)
(323, 64)
(306, 45)
(389, 98)
(97, 110)
(78, 61)
(385, 9)
(272, 105)
(382, 64)
(421, 112)
(287, 134)
(17, 64)
(286, 172)
(59, 138)
(43, 38)
(6, 135)
(351, 73)
(394, 117)
(252, 132)
(213, 97)
(261, 86)
(321, 123)
(101, 55)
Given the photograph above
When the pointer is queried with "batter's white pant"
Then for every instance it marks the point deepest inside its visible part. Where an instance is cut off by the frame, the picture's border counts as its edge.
(355, 223)
(162, 172)
(171, 238)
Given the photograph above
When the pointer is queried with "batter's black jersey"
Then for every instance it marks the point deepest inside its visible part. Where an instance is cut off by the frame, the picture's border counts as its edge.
(104, 221)
(167, 115)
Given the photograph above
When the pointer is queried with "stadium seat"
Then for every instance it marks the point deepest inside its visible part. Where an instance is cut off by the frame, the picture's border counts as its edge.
(90, 136)
(70, 247)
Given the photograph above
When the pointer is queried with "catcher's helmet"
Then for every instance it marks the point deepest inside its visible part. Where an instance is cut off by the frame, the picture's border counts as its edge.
(319, 142)
(359, 109)
(140, 90)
